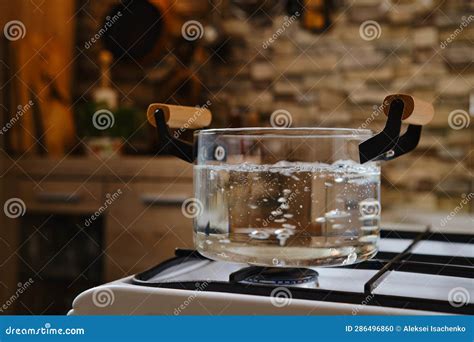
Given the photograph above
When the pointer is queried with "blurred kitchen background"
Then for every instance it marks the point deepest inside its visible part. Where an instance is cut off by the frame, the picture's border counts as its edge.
(85, 198)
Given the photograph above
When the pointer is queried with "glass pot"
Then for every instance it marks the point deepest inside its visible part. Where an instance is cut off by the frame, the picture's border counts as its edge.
(284, 197)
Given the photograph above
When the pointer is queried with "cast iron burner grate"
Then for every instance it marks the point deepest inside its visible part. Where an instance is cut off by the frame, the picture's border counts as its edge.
(260, 281)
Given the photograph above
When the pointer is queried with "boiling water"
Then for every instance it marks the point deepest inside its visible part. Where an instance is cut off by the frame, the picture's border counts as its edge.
(288, 214)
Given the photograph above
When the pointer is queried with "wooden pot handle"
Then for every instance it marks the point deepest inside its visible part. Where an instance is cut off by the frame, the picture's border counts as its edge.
(181, 116)
(415, 111)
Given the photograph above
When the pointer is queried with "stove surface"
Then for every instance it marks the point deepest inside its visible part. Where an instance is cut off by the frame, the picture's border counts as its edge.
(414, 272)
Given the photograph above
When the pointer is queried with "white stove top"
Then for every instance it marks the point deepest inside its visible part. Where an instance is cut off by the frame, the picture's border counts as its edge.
(174, 296)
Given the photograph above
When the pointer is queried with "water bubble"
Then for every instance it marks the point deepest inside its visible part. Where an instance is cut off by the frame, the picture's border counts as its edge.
(276, 213)
(253, 206)
(359, 182)
(288, 215)
(307, 189)
(265, 200)
(369, 228)
(282, 238)
(286, 191)
(320, 219)
(280, 220)
(284, 206)
(289, 226)
(259, 235)
(282, 200)
(351, 258)
(336, 214)
(346, 164)
(284, 231)
(369, 238)
(338, 180)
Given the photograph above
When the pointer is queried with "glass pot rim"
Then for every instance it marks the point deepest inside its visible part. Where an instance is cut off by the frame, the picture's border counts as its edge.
(288, 132)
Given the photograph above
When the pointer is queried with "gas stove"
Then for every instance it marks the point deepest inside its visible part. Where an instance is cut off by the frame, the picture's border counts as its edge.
(417, 271)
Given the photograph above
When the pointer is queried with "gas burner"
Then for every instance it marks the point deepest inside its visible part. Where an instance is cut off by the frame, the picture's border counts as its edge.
(275, 276)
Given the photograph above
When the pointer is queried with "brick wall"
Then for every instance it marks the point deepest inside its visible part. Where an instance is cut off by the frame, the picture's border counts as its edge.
(336, 79)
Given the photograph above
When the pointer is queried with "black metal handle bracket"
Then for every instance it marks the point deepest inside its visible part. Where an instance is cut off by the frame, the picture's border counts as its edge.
(388, 144)
(169, 145)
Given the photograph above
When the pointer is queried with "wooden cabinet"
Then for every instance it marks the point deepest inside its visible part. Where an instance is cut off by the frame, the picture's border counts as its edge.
(145, 224)
(61, 196)
(135, 202)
